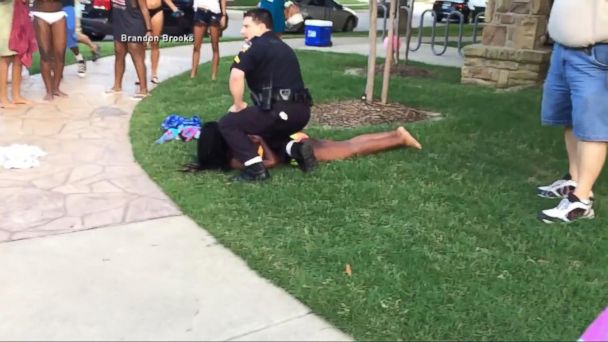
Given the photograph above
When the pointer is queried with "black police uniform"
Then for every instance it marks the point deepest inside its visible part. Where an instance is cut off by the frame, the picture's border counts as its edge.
(281, 104)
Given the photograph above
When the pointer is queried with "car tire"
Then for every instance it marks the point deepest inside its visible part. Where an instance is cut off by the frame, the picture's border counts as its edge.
(439, 18)
(349, 26)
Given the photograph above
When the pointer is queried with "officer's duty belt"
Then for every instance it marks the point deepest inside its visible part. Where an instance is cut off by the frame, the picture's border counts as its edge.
(284, 95)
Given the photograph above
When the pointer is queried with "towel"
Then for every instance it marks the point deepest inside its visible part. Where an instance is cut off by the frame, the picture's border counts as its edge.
(22, 39)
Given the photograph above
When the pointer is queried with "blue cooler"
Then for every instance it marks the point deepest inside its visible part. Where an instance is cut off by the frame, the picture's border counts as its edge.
(317, 32)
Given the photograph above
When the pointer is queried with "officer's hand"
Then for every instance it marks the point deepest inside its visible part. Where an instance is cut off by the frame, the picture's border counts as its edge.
(235, 108)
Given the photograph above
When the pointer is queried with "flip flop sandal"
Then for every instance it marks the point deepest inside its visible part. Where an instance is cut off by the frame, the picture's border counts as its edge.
(139, 97)
(155, 80)
(112, 92)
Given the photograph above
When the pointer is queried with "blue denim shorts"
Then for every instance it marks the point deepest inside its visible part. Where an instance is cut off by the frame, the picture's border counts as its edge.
(575, 93)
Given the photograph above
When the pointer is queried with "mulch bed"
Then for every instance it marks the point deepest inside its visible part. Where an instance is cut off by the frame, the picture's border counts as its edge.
(354, 113)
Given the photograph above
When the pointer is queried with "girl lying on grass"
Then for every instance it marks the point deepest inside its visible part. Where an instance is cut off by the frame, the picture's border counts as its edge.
(214, 154)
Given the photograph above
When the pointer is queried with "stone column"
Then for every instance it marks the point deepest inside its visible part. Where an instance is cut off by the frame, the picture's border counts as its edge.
(513, 51)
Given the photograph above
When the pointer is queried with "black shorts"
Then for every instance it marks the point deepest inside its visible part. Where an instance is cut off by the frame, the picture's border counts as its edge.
(128, 25)
(206, 17)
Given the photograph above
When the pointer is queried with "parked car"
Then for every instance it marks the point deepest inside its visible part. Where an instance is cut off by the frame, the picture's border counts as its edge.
(444, 8)
(476, 7)
(343, 18)
(96, 16)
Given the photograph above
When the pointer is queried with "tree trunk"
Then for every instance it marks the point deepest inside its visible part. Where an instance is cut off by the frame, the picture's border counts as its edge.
(371, 58)
(388, 61)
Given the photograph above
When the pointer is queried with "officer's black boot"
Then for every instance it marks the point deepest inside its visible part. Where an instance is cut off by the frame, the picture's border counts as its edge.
(304, 154)
(252, 173)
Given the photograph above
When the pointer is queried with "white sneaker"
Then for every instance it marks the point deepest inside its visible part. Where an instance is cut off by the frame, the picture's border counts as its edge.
(82, 68)
(558, 189)
(568, 210)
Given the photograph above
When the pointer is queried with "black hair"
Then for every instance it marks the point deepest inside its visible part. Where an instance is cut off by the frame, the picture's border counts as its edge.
(212, 149)
(260, 15)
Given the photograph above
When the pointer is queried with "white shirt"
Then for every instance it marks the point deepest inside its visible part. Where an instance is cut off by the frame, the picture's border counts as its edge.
(211, 5)
(579, 23)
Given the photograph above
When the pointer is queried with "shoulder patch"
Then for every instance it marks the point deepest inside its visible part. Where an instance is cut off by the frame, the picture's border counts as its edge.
(245, 46)
(237, 60)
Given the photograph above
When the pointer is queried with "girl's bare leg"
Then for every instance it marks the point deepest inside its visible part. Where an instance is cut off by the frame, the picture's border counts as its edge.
(199, 31)
(43, 37)
(120, 52)
(215, 46)
(17, 68)
(138, 54)
(157, 28)
(4, 101)
(59, 43)
(328, 150)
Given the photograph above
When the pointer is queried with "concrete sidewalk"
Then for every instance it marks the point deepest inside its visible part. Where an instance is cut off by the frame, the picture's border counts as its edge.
(103, 254)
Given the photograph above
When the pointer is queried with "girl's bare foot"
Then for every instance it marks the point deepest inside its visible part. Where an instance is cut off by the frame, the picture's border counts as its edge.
(60, 93)
(408, 139)
(48, 97)
(21, 100)
(6, 104)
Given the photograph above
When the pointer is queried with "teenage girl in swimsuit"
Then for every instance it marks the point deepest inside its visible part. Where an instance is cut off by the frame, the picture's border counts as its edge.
(208, 14)
(50, 27)
(155, 7)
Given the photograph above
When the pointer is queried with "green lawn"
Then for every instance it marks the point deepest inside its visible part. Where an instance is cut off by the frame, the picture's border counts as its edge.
(242, 3)
(107, 49)
(443, 243)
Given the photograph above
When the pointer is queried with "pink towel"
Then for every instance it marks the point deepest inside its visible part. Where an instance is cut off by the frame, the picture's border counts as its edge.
(22, 39)
(598, 330)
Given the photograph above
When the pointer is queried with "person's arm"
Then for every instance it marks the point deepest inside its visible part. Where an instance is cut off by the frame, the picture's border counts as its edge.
(270, 158)
(237, 89)
(143, 7)
(224, 14)
(171, 5)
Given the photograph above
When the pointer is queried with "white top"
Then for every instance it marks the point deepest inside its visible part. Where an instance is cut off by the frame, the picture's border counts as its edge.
(319, 23)
(477, 3)
(579, 23)
(211, 5)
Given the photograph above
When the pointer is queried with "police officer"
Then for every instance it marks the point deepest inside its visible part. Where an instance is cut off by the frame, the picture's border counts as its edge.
(281, 103)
